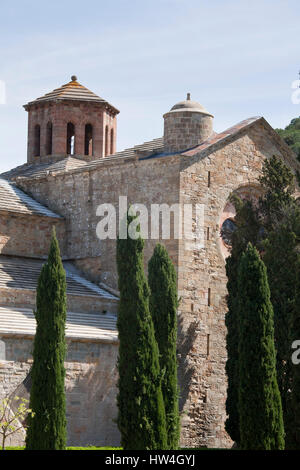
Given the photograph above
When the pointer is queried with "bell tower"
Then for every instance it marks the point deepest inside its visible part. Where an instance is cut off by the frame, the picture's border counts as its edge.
(70, 121)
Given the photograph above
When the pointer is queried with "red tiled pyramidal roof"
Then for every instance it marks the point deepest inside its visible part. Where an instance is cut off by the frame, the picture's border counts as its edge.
(72, 90)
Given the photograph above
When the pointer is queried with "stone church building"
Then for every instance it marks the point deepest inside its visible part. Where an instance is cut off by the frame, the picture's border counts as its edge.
(72, 167)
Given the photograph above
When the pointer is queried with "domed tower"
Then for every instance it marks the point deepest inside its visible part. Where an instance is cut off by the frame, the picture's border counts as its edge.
(70, 120)
(186, 125)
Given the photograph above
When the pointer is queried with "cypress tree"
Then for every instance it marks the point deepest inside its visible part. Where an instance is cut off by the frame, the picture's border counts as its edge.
(47, 428)
(293, 403)
(280, 215)
(260, 411)
(247, 230)
(163, 308)
(280, 258)
(141, 413)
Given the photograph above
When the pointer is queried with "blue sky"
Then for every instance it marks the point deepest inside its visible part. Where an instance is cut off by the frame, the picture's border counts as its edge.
(237, 58)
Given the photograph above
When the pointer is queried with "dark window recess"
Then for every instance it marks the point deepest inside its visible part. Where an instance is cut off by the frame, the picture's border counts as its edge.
(227, 230)
(37, 141)
(49, 133)
(70, 138)
(88, 140)
(106, 141)
(111, 141)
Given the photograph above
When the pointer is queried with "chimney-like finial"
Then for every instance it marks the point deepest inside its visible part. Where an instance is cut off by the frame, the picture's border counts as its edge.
(74, 78)
(188, 97)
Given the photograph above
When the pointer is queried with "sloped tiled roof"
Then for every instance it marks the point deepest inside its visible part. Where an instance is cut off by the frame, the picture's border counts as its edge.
(145, 151)
(43, 169)
(222, 136)
(216, 138)
(23, 273)
(86, 326)
(72, 90)
(72, 163)
(150, 147)
(12, 199)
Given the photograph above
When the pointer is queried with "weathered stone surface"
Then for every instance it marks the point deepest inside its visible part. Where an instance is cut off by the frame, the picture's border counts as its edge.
(90, 388)
(204, 175)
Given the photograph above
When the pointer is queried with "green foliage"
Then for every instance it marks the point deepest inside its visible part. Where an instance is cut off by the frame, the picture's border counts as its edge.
(247, 231)
(13, 412)
(280, 215)
(291, 135)
(279, 184)
(274, 228)
(281, 259)
(293, 404)
(47, 428)
(163, 308)
(260, 412)
(141, 416)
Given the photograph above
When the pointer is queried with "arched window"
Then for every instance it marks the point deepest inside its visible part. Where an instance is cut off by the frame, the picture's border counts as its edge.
(227, 230)
(70, 138)
(111, 141)
(37, 140)
(106, 141)
(88, 140)
(49, 139)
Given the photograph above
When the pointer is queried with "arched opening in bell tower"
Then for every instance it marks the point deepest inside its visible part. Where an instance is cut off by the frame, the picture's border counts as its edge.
(106, 141)
(70, 138)
(111, 141)
(37, 140)
(49, 138)
(88, 140)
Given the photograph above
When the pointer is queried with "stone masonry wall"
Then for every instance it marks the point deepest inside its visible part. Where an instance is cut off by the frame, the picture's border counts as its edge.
(186, 129)
(26, 298)
(206, 179)
(90, 387)
(29, 235)
(202, 284)
(77, 195)
(60, 114)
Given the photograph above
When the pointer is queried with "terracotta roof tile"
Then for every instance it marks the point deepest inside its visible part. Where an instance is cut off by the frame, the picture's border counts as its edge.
(72, 90)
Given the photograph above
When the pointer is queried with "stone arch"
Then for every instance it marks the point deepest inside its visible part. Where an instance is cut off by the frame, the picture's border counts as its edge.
(226, 222)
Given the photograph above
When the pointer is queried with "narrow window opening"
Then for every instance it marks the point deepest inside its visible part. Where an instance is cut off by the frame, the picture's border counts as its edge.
(88, 140)
(207, 233)
(70, 138)
(111, 141)
(192, 307)
(208, 179)
(37, 140)
(207, 344)
(209, 297)
(106, 141)
(49, 139)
